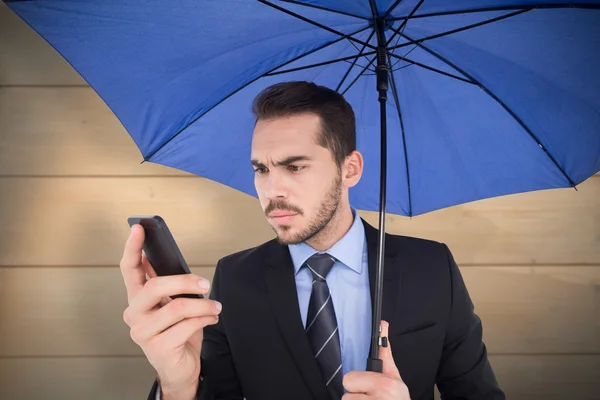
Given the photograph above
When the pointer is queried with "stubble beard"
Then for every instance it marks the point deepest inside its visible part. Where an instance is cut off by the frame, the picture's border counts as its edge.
(327, 210)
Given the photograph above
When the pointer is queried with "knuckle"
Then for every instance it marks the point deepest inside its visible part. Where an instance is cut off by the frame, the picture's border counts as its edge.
(123, 263)
(392, 385)
(153, 285)
(178, 307)
(405, 390)
(134, 333)
(126, 315)
(192, 282)
(387, 384)
(153, 346)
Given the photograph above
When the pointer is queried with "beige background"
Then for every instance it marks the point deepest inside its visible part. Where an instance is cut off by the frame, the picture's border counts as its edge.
(70, 176)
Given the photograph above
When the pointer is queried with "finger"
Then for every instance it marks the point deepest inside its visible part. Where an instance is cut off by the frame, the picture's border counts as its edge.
(355, 396)
(385, 354)
(157, 288)
(152, 274)
(181, 332)
(130, 265)
(366, 382)
(147, 266)
(175, 312)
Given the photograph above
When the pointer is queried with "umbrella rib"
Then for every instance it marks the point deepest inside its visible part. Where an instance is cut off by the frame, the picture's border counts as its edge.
(359, 75)
(410, 51)
(432, 69)
(355, 46)
(355, 57)
(324, 9)
(502, 8)
(348, 62)
(497, 99)
(464, 28)
(147, 158)
(403, 25)
(397, 40)
(373, 7)
(416, 42)
(354, 63)
(409, 65)
(328, 29)
(392, 8)
(397, 101)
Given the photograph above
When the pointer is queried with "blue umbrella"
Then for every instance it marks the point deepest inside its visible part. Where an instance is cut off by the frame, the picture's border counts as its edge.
(477, 99)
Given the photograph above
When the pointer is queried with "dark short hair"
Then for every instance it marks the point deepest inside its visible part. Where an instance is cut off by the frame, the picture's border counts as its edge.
(338, 123)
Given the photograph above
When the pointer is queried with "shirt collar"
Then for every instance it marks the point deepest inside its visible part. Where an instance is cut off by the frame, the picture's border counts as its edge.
(348, 250)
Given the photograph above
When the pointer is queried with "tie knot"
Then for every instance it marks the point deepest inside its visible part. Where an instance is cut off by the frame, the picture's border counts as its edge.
(320, 265)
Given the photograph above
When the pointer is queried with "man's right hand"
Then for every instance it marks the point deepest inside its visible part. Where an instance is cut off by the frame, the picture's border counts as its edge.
(169, 331)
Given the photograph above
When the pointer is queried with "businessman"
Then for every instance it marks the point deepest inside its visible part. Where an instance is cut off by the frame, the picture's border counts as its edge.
(291, 319)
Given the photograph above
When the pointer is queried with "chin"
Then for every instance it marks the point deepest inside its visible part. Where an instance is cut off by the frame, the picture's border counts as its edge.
(287, 235)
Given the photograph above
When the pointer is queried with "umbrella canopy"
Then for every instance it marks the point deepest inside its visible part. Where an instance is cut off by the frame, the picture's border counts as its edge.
(486, 98)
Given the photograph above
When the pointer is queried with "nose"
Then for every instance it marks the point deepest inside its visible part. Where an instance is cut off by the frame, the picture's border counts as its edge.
(275, 186)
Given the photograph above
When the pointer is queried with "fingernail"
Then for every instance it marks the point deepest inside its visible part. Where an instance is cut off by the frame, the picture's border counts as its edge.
(218, 306)
(204, 284)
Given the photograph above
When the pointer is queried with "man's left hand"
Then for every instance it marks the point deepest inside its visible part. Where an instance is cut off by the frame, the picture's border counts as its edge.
(387, 385)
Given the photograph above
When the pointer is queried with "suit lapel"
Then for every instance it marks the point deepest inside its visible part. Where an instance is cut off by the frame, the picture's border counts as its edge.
(283, 295)
(391, 273)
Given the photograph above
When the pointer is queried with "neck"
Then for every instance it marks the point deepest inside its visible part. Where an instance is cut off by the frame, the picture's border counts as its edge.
(340, 224)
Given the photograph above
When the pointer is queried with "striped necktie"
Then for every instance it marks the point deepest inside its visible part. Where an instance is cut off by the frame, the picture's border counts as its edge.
(321, 325)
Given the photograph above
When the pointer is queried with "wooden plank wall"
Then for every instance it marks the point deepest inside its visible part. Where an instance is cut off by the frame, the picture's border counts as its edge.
(70, 176)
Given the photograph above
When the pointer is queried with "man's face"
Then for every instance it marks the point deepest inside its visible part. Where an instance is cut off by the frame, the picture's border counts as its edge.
(298, 182)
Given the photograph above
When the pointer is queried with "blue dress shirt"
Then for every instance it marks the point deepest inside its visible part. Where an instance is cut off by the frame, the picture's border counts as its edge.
(348, 282)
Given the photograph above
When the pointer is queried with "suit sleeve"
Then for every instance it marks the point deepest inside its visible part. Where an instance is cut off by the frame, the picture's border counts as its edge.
(218, 378)
(465, 372)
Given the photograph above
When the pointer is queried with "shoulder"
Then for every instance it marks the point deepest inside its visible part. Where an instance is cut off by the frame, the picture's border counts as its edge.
(422, 259)
(418, 247)
(410, 248)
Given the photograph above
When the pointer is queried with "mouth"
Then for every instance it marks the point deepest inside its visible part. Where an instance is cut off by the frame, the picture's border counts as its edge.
(282, 217)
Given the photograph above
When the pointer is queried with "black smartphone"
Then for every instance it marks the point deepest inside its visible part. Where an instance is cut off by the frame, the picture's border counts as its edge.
(161, 250)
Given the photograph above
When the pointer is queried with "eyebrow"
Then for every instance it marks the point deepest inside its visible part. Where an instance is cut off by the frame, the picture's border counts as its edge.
(284, 162)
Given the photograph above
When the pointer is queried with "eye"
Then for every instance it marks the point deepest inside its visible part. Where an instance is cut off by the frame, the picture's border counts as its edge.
(260, 170)
(295, 168)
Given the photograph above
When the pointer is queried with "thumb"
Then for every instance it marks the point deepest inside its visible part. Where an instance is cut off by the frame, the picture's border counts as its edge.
(385, 354)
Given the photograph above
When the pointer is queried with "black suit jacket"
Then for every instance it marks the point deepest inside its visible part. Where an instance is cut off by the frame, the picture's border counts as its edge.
(258, 349)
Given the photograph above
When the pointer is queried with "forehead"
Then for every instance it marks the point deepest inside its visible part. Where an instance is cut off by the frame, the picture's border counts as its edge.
(285, 134)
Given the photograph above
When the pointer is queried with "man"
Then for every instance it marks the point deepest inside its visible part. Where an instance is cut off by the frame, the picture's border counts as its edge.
(295, 320)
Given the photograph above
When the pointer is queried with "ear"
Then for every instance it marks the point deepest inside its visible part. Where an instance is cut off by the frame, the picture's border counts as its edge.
(352, 169)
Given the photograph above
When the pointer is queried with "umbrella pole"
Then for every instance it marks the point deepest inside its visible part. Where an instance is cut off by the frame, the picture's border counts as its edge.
(382, 70)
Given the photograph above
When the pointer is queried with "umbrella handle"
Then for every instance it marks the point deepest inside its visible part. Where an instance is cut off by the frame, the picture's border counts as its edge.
(375, 365)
